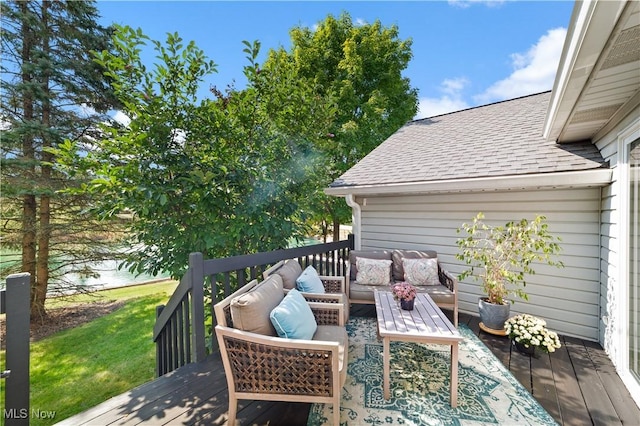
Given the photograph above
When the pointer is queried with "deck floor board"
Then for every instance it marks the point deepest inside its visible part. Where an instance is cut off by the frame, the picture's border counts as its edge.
(577, 384)
(601, 409)
(543, 384)
(629, 414)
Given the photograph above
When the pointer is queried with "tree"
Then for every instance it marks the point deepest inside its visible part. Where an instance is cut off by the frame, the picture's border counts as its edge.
(51, 91)
(221, 176)
(360, 67)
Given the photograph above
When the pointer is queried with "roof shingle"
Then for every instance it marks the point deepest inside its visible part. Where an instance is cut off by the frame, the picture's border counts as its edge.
(500, 139)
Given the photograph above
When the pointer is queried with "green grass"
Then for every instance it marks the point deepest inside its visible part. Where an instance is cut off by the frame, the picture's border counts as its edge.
(78, 368)
(120, 293)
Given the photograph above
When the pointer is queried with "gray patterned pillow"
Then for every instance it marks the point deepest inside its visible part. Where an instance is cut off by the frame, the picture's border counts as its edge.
(421, 271)
(373, 271)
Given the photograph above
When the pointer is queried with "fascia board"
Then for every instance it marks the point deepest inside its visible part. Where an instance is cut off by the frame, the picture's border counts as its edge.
(585, 178)
(573, 41)
(592, 23)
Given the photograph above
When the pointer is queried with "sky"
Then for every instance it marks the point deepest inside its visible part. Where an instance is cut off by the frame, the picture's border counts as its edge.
(465, 53)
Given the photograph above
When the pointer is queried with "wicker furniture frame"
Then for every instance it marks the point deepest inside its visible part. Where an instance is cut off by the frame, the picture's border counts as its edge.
(269, 368)
(333, 284)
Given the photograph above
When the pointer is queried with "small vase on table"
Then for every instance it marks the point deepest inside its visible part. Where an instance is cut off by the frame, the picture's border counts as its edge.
(405, 293)
(407, 305)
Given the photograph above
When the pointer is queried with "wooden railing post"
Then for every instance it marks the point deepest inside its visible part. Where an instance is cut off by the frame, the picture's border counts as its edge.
(16, 407)
(196, 266)
(160, 348)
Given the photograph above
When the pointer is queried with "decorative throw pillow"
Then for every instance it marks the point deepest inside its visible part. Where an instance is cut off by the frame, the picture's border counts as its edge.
(309, 281)
(289, 271)
(250, 311)
(293, 317)
(421, 271)
(373, 271)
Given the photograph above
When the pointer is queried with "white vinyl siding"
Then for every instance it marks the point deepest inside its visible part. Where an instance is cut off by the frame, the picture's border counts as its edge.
(611, 229)
(567, 298)
(615, 300)
(609, 260)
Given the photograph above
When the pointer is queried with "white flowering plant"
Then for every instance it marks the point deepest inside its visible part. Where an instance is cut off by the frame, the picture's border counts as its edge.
(532, 331)
(403, 291)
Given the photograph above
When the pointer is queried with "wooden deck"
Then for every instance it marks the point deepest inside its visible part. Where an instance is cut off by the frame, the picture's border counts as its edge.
(577, 385)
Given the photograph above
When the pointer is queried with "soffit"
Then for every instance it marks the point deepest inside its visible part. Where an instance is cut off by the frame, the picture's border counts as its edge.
(598, 80)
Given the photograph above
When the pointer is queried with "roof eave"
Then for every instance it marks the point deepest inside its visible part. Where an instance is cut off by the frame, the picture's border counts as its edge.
(583, 46)
(584, 178)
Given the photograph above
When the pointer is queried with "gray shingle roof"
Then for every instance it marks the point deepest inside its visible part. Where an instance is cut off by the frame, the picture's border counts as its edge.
(500, 139)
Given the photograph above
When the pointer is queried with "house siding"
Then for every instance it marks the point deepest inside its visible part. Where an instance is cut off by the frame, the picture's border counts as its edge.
(609, 264)
(613, 326)
(567, 298)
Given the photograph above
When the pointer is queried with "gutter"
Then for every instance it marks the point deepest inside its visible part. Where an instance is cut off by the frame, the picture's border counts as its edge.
(356, 220)
(586, 178)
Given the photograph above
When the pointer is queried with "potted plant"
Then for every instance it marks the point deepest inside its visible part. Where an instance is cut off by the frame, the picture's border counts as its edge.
(501, 257)
(406, 294)
(528, 333)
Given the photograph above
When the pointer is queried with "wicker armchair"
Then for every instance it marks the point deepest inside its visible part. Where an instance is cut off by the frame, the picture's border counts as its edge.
(264, 367)
(290, 269)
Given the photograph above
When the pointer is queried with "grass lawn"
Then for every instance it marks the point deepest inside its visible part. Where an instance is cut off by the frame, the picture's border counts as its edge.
(78, 368)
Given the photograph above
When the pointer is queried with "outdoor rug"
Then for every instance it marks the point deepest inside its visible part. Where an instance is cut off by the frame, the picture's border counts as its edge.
(487, 392)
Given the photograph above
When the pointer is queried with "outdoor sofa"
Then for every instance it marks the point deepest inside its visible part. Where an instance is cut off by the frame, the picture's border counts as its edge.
(442, 287)
(309, 364)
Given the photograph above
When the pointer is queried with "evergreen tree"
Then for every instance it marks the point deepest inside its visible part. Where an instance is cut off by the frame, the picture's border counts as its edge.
(51, 91)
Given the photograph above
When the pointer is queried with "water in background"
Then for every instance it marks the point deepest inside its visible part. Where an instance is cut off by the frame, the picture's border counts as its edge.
(111, 277)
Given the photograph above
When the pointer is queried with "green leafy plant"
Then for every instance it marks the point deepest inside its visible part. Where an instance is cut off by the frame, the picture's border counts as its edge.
(501, 256)
(224, 175)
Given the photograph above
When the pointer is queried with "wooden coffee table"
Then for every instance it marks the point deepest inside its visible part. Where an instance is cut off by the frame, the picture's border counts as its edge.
(425, 324)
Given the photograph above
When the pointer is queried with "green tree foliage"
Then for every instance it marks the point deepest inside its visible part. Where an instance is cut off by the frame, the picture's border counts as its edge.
(220, 175)
(360, 67)
(51, 91)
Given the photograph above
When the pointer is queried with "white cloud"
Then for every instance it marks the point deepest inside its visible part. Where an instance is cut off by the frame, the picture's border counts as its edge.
(450, 101)
(360, 22)
(121, 118)
(86, 111)
(534, 70)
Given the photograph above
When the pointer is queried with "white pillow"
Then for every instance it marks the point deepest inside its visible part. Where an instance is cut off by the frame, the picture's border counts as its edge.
(373, 271)
(421, 271)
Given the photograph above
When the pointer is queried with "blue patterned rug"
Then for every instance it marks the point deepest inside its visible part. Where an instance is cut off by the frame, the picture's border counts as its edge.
(487, 392)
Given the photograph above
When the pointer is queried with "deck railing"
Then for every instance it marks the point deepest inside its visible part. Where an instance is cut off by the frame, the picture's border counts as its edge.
(14, 302)
(184, 328)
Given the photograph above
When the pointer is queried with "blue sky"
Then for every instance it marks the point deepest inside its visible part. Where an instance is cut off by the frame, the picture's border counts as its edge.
(465, 53)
